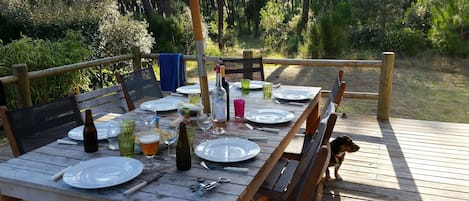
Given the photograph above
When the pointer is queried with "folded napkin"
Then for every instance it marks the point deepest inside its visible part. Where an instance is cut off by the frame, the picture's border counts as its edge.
(172, 71)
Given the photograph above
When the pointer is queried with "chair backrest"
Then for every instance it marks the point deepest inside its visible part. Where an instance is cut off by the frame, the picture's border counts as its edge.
(337, 92)
(249, 68)
(328, 117)
(305, 160)
(313, 175)
(138, 85)
(106, 100)
(32, 127)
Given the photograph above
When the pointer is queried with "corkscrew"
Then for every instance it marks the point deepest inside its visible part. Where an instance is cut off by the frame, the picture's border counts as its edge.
(201, 189)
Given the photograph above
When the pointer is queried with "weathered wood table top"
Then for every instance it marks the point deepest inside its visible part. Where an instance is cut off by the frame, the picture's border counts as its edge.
(29, 176)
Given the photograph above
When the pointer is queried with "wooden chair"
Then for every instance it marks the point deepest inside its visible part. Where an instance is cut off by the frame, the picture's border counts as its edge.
(139, 86)
(337, 92)
(335, 97)
(30, 128)
(3, 98)
(103, 101)
(288, 178)
(252, 68)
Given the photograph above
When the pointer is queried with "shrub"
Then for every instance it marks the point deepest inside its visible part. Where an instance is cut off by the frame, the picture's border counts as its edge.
(40, 54)
(405, 41)
(274, 25)
(173, 34)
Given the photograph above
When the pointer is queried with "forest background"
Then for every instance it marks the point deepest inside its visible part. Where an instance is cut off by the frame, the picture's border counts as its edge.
(430, 39)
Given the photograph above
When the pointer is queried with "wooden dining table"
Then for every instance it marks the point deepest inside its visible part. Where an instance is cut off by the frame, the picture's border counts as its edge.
(29, 176)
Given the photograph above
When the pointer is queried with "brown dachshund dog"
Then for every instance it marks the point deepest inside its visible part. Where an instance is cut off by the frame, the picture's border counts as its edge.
(340, 146)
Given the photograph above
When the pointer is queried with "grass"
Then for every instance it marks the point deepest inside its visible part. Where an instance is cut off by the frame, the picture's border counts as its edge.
(424, 88)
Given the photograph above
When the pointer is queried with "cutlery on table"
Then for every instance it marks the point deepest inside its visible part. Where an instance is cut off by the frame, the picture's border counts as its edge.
(272, 130)
(257, 138)
(232, 169)
(59, 174)
(289, 103)
(62, 141)
(176, 94)
(275, 86)
(143, 183)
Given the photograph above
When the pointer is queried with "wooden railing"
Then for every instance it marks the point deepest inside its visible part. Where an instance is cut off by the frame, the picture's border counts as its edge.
(21, 76)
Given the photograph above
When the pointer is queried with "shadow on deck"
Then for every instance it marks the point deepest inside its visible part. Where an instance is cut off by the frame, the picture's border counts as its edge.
(402, 159)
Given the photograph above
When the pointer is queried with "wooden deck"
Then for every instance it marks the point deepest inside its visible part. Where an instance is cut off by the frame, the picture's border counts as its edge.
(399, 160)
(403, 159)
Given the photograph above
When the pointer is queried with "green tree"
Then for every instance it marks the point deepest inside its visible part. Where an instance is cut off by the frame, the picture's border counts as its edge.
(450, 26)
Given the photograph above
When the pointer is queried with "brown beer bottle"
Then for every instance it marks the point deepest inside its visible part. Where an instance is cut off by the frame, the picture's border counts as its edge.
(90, 134)
(183, 151)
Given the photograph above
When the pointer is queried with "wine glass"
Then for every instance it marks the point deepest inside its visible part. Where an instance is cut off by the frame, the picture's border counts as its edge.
(204, 121)
(169, 136)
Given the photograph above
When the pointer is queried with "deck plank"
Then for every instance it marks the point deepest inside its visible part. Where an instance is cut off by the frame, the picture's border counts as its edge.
(403, 159)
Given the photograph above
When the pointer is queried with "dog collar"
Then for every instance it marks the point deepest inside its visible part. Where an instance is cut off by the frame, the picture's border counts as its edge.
(340, 155)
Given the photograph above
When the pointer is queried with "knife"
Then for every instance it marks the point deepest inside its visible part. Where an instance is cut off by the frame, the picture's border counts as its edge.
(232, 169)
(142, 184)
(289, 103)
(59, 174)
(272, 130)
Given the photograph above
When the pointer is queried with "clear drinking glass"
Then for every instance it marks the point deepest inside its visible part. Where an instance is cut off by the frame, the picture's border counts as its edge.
(147, 117)
(204, 122)
(169, 137)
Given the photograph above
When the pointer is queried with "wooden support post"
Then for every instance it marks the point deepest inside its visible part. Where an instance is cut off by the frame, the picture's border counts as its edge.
(137, 60)
(247, 54)
(21, 72)
(385, 86)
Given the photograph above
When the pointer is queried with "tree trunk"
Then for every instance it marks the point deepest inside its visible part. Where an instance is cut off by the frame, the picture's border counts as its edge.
(220, 5)
(164, 6)
(304, 13)
(230, 18)
(148, 9)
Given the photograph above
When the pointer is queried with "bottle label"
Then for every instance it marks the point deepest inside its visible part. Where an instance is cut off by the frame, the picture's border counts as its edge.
(219, 110)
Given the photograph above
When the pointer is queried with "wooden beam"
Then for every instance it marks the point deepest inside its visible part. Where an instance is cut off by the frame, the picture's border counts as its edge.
(385, 86)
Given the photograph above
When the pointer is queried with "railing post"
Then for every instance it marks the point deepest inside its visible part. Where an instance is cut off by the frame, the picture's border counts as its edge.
(385, 86)
(247, 54)
(21, 72)
(137, 60)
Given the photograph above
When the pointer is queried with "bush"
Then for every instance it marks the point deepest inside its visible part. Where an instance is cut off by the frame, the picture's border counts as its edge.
(274, 25)
(40, 54)
(367, 38)
(173, 34)
(51, 19)
(404, 41)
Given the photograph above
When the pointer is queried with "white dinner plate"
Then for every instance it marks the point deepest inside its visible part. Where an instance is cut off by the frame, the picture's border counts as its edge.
(102, 172)
(104, 129)
(253, 84)
(194, 89)
(269, 116)
(160, 105)
(227, 150)
(293, 95)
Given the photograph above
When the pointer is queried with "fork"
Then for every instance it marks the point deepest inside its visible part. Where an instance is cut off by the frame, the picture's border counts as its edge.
(272, 130)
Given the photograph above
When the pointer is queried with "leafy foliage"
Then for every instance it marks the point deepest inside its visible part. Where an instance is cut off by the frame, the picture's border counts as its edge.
(406, 41)
(40, 54)
(450, 30)
(173, 34)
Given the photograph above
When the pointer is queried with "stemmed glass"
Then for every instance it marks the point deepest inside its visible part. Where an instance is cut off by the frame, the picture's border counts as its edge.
(169, 136)
(204, 121)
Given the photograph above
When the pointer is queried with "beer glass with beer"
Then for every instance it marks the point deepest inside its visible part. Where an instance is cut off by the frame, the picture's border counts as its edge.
(149, 144)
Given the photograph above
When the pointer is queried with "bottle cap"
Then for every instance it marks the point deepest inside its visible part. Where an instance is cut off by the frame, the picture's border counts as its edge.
(217, 68)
